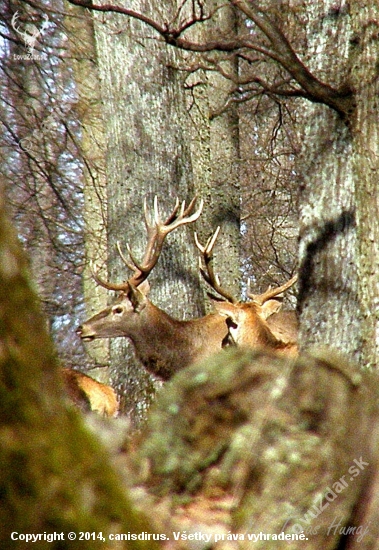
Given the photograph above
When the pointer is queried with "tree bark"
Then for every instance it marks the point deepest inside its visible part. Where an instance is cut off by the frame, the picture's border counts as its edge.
(365, 168)
(54, 476)
(339, 279)
(89, 111)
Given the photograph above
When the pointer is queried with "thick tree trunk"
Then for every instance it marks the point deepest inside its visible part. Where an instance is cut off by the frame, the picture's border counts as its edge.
(54, 477)
(339, 276)
(365, 167)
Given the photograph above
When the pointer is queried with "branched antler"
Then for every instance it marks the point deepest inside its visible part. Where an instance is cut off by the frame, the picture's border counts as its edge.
(208, 273)
(157, 230)
(270, 292)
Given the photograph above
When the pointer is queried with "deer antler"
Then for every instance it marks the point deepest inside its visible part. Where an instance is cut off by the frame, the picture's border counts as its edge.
(100, 281)
(271, 292)
(157, 230)
(208, 273)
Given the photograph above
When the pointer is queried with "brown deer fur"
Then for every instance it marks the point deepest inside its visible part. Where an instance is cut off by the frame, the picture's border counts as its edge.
(89, 395)
(248, 327)
(166, 345)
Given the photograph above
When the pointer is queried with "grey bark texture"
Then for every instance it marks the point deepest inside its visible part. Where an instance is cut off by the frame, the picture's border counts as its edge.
(339, 281)
(149, 153)
(89, 110)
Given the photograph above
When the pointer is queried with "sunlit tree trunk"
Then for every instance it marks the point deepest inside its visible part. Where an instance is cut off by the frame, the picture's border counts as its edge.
(89, 110)
(365, 166)
(339, 276)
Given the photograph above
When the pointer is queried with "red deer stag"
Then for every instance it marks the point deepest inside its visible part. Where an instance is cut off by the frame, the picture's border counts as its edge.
(256, 323)
(88, 394)
(163, 344)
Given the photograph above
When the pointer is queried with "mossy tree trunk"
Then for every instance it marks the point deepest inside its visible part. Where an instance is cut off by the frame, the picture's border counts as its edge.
(54, 476)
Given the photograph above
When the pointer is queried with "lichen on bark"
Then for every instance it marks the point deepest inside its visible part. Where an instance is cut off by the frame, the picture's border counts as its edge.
(54, 476)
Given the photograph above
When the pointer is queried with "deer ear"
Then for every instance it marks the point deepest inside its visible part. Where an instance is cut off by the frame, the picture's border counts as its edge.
(227, 309)
(270, 307)
(137, 298)
(144, 287)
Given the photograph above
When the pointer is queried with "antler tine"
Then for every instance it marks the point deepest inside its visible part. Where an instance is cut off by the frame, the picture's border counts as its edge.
(272, 292)
(189, 208)
(109, 286)
(174, 219)
(173, 214)
(157, 217)
(156, 234)
(125, 260)
(211, 241)
(184, 217)
(208, 273)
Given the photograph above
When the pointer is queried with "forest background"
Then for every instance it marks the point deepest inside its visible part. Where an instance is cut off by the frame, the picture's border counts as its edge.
(268, 110)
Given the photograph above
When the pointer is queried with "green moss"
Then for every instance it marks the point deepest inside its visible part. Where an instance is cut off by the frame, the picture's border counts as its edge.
(54, 476)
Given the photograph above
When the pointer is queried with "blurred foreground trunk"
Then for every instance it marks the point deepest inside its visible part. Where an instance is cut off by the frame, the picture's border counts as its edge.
(54, 476)
(248, 443)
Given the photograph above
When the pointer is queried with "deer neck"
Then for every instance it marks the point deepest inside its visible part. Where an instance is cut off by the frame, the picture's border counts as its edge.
(166, 345)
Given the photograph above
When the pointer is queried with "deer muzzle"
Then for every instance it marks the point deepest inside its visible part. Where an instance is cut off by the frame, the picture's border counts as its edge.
(85, 334)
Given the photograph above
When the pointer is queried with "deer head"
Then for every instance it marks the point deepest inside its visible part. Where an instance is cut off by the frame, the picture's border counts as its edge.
(163, 344)
(126, 313)
(249, 323)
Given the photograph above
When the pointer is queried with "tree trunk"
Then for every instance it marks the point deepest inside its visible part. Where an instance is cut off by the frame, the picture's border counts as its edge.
(365, 167)
(339, 278)
(215, 147)
(148, 154)
(54, 477)
(89, 111)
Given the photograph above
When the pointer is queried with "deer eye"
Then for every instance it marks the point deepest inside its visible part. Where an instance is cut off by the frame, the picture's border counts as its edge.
(118, 310)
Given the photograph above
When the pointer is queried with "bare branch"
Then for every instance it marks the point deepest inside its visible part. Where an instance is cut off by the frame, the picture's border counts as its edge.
(340, 100)
(123, 11)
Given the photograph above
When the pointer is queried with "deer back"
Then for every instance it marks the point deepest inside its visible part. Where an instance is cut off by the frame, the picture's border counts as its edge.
(88, 394)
